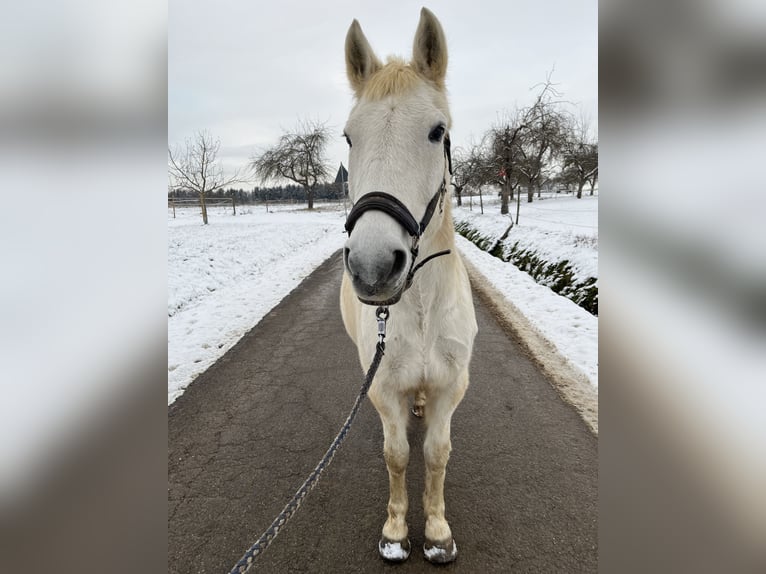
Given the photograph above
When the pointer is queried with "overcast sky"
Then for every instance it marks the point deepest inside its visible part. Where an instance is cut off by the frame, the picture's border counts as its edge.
(247, 69)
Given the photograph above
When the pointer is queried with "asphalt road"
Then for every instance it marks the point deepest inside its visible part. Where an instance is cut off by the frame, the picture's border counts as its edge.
(522, 483)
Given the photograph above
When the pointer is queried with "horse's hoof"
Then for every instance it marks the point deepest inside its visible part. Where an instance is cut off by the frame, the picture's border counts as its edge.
(417, 410)
(394, 551)
(440, 553)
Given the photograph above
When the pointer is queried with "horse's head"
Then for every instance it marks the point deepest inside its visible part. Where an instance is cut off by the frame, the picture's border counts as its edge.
(396, 132)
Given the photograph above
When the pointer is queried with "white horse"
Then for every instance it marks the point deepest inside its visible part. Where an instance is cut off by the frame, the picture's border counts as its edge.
(398, 176)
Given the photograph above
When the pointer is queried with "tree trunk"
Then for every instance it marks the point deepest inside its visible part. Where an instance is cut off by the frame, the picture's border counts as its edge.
(310, 194)
(580, 185)
(459, 194)
(592, 185)
(530, 193)
(204, 208)
(481, 202)
(505, 194)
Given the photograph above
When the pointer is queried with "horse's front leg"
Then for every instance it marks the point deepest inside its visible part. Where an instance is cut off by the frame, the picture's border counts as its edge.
(440, 546)
(393, 411)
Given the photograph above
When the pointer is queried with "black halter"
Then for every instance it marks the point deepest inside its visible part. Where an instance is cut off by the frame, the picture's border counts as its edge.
(387, 203)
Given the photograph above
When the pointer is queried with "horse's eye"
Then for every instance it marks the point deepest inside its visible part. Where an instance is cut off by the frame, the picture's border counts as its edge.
(436, 134)
(348, 140)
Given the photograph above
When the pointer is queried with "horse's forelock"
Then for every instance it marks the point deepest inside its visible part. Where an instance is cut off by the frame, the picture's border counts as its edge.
(395, 78)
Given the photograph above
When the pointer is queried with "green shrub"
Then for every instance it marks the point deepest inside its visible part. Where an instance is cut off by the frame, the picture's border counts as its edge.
(557, 275)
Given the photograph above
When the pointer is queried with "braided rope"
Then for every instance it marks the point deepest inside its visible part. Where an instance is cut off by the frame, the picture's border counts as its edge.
(287, 512)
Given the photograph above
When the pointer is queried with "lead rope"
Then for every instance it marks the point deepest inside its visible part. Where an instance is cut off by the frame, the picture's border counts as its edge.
(381, 313)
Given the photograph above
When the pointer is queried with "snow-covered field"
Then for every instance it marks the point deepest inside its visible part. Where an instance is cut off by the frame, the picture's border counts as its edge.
(224, 277)
(558, 227)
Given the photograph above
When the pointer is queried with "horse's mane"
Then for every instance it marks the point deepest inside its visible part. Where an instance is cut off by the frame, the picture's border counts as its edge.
(394, 78)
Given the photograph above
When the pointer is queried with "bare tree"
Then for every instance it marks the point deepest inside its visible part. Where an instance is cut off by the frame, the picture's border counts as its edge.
(525, 144)
(194, 167)
(543, 138)
(298, 156)
(475, 168)
(467, 170)
(580, 154)
(506, 154)
(594, 174)
(459, 173)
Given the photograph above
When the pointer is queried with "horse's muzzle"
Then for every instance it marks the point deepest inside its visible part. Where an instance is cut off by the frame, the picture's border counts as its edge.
(376, 276)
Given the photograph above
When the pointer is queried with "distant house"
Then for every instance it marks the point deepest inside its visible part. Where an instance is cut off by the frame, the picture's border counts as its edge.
(341, 179)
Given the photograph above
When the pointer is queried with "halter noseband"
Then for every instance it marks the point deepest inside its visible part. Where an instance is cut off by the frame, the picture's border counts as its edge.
(387, 203)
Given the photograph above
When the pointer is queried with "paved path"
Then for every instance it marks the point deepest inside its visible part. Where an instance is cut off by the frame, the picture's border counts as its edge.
(521, 487)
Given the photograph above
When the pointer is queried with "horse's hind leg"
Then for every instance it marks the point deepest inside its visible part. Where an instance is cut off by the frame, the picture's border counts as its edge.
(418, 408)
(394, 545)
(440, 546)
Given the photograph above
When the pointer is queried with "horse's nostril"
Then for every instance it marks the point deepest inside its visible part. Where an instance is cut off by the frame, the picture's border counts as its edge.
(400, 259)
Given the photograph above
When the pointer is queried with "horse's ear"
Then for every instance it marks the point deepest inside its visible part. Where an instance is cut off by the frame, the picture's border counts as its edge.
(361, 61)
(429, 51)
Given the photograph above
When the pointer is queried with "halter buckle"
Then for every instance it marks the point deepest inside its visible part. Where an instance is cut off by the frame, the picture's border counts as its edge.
(443, 193)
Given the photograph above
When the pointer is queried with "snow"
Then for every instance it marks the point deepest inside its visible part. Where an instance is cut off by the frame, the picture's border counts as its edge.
(437, 554)
(567, 326)
(558, 228)
(393, 551)
(224, 277)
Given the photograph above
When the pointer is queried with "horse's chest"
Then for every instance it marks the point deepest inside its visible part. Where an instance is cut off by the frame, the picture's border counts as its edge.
(420, 352)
